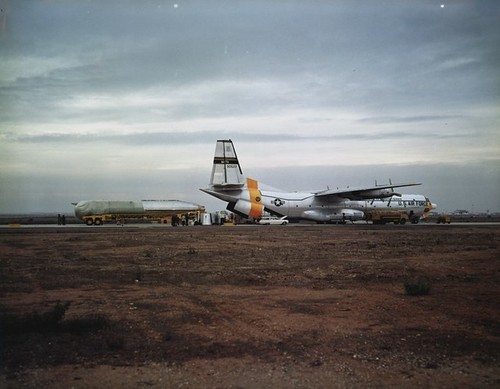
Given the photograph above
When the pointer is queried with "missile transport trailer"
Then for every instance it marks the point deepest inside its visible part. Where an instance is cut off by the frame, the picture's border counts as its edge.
(96, 212)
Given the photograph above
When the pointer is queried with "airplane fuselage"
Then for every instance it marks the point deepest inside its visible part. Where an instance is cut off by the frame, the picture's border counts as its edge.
(307, 206)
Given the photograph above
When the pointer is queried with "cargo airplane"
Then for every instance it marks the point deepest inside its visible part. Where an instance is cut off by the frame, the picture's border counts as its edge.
(249, 198)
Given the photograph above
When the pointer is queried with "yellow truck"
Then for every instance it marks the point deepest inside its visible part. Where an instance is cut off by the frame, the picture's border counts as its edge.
(382, 217)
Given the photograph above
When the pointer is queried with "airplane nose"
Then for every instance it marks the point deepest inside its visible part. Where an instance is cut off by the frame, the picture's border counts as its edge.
(434, 205)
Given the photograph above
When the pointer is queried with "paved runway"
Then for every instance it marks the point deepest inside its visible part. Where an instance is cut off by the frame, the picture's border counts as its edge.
(84, 227)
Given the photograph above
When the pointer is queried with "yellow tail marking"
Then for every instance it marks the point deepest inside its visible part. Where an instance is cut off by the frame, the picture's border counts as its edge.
(255, 199)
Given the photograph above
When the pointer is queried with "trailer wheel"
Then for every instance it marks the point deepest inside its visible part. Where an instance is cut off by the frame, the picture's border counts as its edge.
(89, 222)
(98, 221)
(402, 221)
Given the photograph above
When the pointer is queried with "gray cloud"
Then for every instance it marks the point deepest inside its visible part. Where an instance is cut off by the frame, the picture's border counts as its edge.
(348, 76)
(208, 138)
(410, 119)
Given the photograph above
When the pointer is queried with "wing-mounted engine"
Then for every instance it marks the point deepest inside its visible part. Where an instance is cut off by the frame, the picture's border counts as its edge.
(372, 194)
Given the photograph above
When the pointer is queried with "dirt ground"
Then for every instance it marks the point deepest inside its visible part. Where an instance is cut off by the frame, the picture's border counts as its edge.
(250, 307)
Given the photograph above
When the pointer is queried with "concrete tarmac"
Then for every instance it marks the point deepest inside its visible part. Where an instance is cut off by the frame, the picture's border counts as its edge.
(107, 226)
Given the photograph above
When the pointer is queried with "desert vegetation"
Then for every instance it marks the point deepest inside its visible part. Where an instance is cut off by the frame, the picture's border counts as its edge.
(369, 305)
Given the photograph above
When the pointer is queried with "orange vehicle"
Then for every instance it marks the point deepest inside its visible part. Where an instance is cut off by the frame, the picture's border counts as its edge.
(382, 217)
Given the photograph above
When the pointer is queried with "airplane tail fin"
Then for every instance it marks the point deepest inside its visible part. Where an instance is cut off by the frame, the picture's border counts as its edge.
(226, 170)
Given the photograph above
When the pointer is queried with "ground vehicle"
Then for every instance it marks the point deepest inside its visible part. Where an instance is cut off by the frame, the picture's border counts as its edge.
(445, 219)
(382, 217)
(96, 212)
(268, 220)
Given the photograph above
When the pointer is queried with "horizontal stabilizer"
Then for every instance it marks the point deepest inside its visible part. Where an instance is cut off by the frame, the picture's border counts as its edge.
(228, 186)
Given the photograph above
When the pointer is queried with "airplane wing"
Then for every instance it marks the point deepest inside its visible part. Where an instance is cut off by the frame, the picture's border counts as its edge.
(374, 192)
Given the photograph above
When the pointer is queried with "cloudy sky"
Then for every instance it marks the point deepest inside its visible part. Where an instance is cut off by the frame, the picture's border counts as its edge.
(125, 99)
